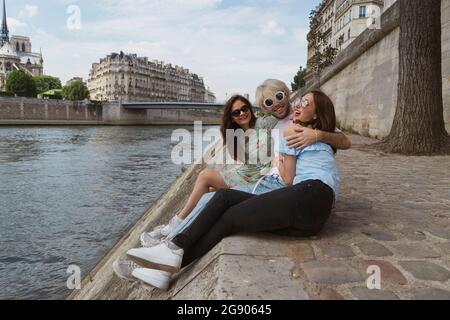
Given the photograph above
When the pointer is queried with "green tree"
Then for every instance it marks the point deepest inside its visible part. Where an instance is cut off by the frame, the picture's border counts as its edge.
(21, 84)
(77, 90)
(324, 54)
(46, 83)
(299, 79)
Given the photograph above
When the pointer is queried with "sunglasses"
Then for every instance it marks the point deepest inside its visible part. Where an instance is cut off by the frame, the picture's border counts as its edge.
(269, 103)
(301, 103)
(237, 113)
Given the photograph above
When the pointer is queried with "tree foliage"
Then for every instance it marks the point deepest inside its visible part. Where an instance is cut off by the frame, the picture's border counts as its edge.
(324, 54)
(76, 90)
(46, 83)
(299, 79)
(21, 84)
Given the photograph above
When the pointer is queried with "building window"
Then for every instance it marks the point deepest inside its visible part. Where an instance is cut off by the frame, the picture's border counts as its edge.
(17, 47)
(23, 47)
(362, 11)
(349, 33)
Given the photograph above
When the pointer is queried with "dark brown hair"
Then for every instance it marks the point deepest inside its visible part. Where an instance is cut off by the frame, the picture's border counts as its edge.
(325, 112)
(227, 119)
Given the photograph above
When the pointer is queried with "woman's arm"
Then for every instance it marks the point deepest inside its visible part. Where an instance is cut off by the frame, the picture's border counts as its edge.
(288, 162)
(299, 137)
(287, 168)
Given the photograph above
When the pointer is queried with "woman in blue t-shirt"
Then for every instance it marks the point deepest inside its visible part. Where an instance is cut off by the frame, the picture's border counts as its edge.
(302, 209)
(316, 162)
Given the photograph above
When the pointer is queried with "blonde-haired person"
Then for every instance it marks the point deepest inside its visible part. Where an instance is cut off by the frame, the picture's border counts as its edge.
(273, 96)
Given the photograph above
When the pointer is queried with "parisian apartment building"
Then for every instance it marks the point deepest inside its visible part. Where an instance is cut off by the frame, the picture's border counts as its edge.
(342, 21)
(127, 77)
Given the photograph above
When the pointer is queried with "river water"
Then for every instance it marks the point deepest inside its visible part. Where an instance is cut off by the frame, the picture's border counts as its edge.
(68, 194)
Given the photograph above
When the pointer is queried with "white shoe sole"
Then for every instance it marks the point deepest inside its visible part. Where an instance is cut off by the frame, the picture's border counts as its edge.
(155, 281)
(153, 265)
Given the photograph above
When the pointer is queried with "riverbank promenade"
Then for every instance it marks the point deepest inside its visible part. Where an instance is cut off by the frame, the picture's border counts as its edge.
(393, 214)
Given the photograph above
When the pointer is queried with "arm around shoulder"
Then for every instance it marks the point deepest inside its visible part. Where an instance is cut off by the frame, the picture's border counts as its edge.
(337, 140)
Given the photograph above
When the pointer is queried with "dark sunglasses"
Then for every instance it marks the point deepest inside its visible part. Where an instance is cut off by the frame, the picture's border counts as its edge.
(279, 96)
(237, 113)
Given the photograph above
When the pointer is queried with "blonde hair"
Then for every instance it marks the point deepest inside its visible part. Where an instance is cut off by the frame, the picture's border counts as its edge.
(268, 89)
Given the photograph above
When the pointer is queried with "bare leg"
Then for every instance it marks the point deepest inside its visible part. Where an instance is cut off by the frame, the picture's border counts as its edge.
(206, 179)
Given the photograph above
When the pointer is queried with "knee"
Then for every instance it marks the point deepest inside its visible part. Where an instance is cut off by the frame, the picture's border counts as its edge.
(223, 196)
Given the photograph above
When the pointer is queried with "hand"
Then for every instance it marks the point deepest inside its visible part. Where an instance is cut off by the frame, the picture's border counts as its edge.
(301, 138)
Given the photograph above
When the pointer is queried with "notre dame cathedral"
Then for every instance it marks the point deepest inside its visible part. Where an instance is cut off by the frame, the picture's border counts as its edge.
(16, 54)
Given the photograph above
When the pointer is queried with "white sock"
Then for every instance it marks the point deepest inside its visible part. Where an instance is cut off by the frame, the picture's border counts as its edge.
(178, 220)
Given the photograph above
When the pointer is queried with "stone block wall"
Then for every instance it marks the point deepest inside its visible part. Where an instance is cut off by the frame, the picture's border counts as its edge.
(26, 111)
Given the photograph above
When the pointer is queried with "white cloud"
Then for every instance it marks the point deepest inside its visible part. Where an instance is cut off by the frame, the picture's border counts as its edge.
(15, 24)
(28, 11)
(272, 28)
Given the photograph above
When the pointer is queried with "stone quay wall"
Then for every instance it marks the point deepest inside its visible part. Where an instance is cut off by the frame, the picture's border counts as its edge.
(27, 111)
(363, 81)
(115, 114)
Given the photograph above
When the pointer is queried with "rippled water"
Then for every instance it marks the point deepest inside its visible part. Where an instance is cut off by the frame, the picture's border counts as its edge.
(68, 194)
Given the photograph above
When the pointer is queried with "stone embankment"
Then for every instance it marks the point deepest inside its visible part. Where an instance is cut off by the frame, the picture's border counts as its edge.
(16, 111)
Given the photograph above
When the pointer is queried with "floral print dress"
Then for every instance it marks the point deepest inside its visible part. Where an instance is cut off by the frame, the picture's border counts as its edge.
(257, 156)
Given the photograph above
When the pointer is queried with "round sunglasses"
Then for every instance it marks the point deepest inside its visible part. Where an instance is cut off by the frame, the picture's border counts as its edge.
(236, 113)
(301, 103)
(279, 96)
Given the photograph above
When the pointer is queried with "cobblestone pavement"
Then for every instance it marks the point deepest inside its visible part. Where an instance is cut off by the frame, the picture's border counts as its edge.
(394, 213)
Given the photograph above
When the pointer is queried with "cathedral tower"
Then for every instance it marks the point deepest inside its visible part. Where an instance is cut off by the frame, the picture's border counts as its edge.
(4, 35)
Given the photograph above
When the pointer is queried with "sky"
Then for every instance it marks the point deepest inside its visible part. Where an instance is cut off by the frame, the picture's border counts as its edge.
(234, 45)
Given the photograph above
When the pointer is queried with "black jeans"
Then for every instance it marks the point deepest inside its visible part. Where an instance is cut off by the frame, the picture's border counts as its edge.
(301, 210)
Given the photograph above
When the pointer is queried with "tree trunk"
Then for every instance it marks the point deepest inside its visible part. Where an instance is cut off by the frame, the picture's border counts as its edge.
(419, 127)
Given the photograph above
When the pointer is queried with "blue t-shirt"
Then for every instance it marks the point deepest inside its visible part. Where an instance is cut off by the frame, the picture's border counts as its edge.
(316, 162)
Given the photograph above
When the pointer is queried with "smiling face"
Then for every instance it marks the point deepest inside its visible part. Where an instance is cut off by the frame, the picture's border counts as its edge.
(241, 114)
(278, 105)
(305, 109)
(273, 96)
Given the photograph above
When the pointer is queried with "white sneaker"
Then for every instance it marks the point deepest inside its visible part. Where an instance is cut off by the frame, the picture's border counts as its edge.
(156, 233)
(147, 241)
(155, 278)
(175, 222)
(123, 268)
(160, 257)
